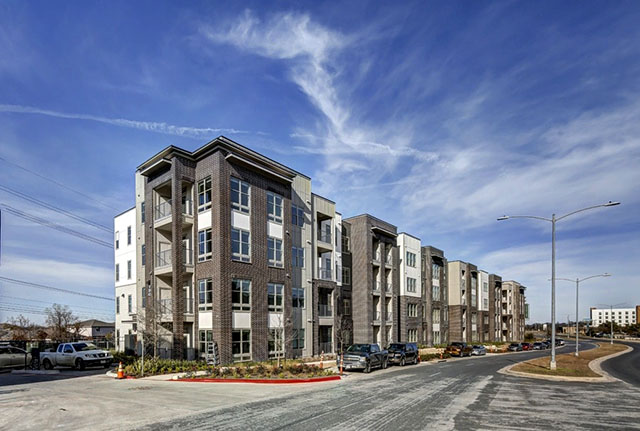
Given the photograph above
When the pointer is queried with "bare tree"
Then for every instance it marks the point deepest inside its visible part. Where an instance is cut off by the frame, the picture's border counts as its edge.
(343, 336)
(22, 328)
(281, 336)
(62, 321)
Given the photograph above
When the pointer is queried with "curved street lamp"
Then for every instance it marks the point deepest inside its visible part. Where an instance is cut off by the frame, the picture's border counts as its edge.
(578, 281)
(553, 220)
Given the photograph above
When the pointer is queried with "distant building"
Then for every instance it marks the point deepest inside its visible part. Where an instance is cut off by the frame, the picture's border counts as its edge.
(96, 329)
(621, 316)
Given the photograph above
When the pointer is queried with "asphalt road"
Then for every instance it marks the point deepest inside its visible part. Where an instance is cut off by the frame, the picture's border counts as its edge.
(625, 367)
(457, 394)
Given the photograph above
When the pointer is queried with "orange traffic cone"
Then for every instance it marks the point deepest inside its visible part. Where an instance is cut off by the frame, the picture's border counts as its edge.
(120, 371)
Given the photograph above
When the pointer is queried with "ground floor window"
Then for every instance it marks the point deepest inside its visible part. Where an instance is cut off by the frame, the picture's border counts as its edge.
(241, 344)
(298, 339)
(206, 341)
(412, 336)
(436, 337)
(275, 342)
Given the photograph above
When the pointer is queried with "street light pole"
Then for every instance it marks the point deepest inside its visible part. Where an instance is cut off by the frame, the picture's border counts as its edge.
(553, 220)
(578, 281)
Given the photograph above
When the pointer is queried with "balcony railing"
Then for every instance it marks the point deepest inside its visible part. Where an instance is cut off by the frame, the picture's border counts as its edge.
(187, 256)
(324, 273)
(187, 207)
(326, 347)
(376, 315)
(166, 307)
(162, 210)
(324, 236)
(324, 310)
(376, 286)
(163, 258)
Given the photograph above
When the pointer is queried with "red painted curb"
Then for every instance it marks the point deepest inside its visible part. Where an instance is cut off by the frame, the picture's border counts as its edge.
(262, 381)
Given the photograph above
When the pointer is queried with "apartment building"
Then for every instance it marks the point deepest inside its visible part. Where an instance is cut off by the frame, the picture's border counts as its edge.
(463, 301)
(512, 311)
(495, 308)
(435, 316)
(483, 328)
(621, 316)
(410, 304)
(374, 279)
(125, 273)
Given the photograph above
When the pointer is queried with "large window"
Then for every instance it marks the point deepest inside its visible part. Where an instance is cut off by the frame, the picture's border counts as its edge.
(435, 316)
(143, 253)
(144, 297)
(276, 342)
(204, 245)
(117, 235)
(129, 304)
(274, 207)
(117, 272)
(241, 294)
(436, 337)
(241, 344)
(298, 339)
(411, 259)
(297, 297)
(412, 310)
(128, 270)
(117, 305)
(204, 194)
(411, 285)
(347, 306)
(297, 257)
(297, 216)
(206, 341)
(205, 294)
(240, 195)
(346, 275)
(412, 335)
(128, 235)
(435, 271)
(274, 251)
(435, 292)
(274, 296)
(240, 245)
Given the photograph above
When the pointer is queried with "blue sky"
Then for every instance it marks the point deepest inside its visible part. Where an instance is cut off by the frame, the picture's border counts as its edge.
(438, 117)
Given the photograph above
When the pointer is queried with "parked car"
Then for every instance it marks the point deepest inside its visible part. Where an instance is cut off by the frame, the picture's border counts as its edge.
(458, 349)
(364, 357)
(547, 344)
(515, 347)
(539, 346)
(559, 342)
(13, 357)
(403, 353)
(76, 355)
(527, 346)
(478, 350)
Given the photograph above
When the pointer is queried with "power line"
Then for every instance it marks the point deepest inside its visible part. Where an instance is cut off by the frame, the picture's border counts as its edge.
(99, 311)
(55, 226)
(54, 208)
(59, 184)
(34, 307)
(57, 289)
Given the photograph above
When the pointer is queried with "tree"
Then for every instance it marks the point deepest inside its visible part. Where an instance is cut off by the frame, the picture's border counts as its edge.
(22, 328)
(62, 322)
(343, 336)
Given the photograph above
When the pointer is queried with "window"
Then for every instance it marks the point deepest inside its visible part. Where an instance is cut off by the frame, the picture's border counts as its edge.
(297, 297)
(347, 306)
(204, 245)
(345, 242)
(241, 294)
(206, 341)
(435, 271)
(411, 259)
(117, 240)
(274, 207)
(412, 310)
(346, 275)
(435, 316)
(144, 297)
(128, 235)
(129, 304)
(485, 303)
(297, 216)
(411, 284)
(435, 292)
(412, 335)
(275, 342)
(204, 194)
(436, 337)
(298, 339)
(143, 212)
(117, 272)
(117, 305)
(205, 294)
(240, 245)
(128, 270)
(297, 257)
(240, 192)
(274, 296)
(241, 344)
(274, 246)
(143, 252)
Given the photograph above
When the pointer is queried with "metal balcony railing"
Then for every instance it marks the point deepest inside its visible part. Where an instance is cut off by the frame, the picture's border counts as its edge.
(166, 307)
(163, 258)
(324, 310)
(162, 210)
(324, 236)
(187, 256)
(187, 207)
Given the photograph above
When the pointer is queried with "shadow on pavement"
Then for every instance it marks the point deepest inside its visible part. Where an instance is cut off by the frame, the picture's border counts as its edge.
(7, 378)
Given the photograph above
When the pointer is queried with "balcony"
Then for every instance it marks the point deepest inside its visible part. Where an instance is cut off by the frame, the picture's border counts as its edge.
(388, 316)
(388, 261)
(324, 236)
(324, 310)
(162, 212)
(376, 316)
(388, 287)
(376, 258)
(166, 308)
(163, 259)
(324, 274)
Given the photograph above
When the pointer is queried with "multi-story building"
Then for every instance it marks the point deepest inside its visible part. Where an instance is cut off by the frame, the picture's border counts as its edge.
(410, 304)
(621, 316)
(512, 311)
(463, 301)
(374, 279)
(483, 329)
(435, 318)
(125, 265)
(495, 308)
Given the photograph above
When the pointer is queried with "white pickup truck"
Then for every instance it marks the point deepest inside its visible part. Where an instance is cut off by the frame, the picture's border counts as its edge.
(77, 355)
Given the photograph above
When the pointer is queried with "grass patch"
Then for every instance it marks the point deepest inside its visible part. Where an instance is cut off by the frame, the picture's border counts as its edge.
(568, 364)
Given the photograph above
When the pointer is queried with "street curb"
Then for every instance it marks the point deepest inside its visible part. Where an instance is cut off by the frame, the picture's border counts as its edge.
(594, 365)
(261, 381)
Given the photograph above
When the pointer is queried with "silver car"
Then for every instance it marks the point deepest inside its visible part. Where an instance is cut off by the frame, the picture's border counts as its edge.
(13, 357)
(479, 350)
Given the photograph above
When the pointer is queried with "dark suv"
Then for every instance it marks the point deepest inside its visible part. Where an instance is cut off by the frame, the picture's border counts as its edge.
(364, 357)
(403, 353)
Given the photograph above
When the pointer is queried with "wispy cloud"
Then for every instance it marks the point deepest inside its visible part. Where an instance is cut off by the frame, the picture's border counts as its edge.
(149, 126)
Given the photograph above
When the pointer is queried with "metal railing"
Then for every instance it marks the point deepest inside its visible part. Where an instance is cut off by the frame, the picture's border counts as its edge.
(187, 255)
(324, 310)
(324, 273)
(166, 307)
(187, 207)
(163, 258)
(162, 210)
(324, 236)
